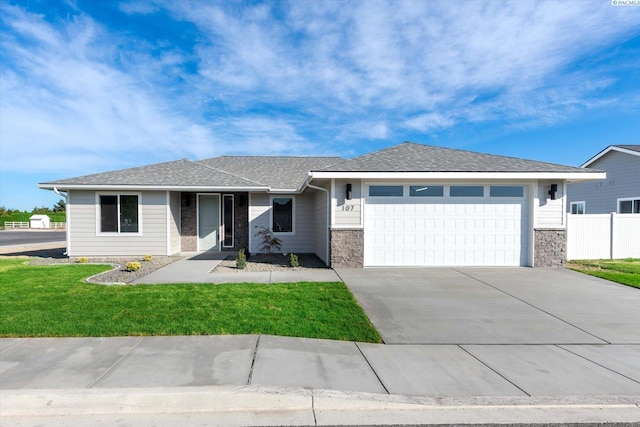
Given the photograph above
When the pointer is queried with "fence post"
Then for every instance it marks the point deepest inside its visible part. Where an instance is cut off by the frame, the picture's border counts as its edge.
(613, 235)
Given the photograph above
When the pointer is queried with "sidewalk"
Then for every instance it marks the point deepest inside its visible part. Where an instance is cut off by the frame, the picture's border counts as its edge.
(198, 267)
(271, 380)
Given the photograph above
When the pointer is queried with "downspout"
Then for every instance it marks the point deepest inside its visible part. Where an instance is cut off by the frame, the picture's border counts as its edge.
(67, 217)
(315, 187)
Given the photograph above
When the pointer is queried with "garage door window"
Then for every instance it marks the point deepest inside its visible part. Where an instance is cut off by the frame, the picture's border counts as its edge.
(506, 191)
(426, 191)
(385, 191)
(466, 191)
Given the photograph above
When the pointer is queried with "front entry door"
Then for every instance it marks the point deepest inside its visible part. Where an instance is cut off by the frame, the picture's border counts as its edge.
(208, 222)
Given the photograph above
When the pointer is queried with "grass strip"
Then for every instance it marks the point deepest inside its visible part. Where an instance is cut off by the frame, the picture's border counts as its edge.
(626, 271)
(53, 301)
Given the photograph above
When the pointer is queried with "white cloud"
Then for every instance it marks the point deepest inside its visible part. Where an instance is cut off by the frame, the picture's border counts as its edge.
(292, 78)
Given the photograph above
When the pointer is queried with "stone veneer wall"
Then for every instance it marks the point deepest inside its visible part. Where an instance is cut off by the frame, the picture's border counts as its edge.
(189, 218)
(347, 248)
(188, 224)
(550, 247)
(240, 221)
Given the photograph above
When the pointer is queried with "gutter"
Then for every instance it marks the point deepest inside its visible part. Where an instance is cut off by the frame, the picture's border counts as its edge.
(315, 187)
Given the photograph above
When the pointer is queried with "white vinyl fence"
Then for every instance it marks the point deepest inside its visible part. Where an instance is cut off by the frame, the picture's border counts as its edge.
(608, 236)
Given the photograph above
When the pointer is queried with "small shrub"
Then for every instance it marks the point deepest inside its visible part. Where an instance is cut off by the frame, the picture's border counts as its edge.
(147, 257)
(293, 261)
(241, 260)
(133, 266)
(83, 260)
(268, 242)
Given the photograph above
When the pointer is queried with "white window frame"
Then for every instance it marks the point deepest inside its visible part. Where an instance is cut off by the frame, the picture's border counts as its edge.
(584, 207)
(233, 220)
(293, 214)
(99, 232)
(626, 199)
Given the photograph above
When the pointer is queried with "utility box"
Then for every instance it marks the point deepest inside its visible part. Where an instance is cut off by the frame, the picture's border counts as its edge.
(39, 221)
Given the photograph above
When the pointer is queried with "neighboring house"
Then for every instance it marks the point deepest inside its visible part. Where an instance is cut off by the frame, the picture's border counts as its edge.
(407, 205)
(619, 192)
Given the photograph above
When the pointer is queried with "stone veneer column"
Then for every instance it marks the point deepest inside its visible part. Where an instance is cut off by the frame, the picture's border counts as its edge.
(550, 246)
(347, 248)
(240, 221)
(188, 226)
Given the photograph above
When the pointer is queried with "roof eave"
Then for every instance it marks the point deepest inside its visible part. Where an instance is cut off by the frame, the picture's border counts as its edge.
(122, 187)
(606, 151)
(572, 176)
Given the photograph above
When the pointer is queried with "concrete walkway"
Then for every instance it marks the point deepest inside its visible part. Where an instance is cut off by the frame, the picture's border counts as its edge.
(198, 267)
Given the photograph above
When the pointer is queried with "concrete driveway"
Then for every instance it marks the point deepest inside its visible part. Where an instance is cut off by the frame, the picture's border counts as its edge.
(495, 306)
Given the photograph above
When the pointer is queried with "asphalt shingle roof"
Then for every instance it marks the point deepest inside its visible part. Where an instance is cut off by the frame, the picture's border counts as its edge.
(278, 172)
(177, 173)
(411, 157)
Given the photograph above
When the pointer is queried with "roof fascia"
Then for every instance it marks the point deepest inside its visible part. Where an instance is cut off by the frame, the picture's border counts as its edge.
(573, 176)
(606, 151)
(65, 187)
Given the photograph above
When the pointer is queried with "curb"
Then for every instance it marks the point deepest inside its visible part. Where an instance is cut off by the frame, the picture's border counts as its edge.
(256, 405)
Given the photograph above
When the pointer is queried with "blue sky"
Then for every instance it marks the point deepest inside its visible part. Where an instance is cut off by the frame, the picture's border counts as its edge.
(91, 86)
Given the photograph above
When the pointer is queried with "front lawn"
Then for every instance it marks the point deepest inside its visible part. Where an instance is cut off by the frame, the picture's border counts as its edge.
(53, 301)
(625, 271)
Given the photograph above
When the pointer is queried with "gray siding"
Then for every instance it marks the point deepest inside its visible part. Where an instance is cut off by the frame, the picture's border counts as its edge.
(303, 240)
(348, 213)
(85, 241)
(174, 221)
(601, 196)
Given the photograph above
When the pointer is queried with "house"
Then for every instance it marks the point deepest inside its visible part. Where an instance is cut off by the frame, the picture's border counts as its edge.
(619, 192)
(406, 205)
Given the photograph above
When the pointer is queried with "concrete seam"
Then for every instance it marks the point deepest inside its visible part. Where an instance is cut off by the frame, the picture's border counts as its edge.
(596, 363)
(122, 359)
(372, 370)
(313, 408)
(498, 373)
(531, 305)
(339, 276)
(253, 360)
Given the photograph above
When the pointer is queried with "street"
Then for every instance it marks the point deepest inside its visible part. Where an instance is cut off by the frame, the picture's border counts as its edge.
(26, 237)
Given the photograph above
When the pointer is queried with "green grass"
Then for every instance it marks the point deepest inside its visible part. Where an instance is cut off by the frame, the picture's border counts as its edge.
(624, 271)
(24, 217)
(53, 301)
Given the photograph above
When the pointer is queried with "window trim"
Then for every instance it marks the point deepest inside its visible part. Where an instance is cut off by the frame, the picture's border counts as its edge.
(233, 221)
(99, 231)
(293, 214)
(626, 199)
(584, 207)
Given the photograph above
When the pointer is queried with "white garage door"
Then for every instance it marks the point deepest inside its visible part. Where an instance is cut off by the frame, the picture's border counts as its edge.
(445, 225)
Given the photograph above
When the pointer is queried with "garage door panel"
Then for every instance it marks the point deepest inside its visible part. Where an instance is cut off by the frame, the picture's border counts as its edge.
(401, 231)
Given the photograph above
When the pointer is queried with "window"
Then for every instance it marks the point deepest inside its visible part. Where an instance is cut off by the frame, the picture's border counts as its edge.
(227, 220)
(506, 191)
(466, 191)
(282, 214)
(426, 191)
(385, 191)
(577, 208)
(629, 205)
(119, 213)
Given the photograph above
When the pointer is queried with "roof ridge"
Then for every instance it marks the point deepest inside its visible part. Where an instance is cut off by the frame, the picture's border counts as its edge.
(225, 172)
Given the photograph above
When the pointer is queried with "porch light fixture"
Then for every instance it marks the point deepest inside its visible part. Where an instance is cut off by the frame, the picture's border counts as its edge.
(348, 194)
(553, 189)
